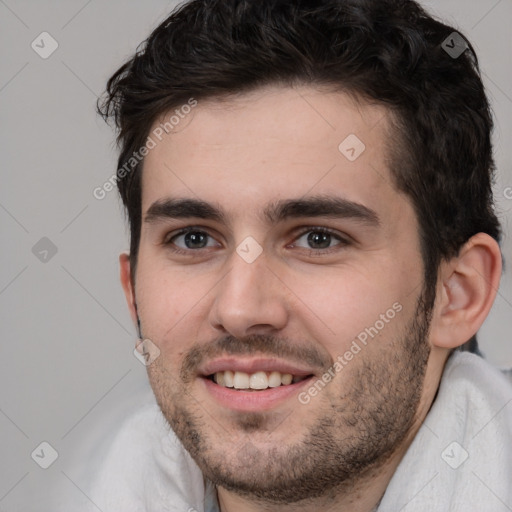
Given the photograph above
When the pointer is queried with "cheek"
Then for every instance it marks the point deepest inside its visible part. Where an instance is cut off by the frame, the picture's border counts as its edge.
(347, 304)
(172, 302)
(162, 302)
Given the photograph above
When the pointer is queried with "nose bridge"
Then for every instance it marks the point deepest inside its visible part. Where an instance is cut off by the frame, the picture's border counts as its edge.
(248, 297)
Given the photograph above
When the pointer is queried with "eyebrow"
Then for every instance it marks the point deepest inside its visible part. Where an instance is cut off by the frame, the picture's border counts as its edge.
(277, 211)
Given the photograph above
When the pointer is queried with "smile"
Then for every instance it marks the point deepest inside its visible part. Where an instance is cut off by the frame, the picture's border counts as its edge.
(259, 384)
(257, 381)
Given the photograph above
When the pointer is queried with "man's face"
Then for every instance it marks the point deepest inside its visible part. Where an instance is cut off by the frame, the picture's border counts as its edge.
(307, 256)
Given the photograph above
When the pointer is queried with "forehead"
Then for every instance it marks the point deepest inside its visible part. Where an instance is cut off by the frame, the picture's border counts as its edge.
(275, 143)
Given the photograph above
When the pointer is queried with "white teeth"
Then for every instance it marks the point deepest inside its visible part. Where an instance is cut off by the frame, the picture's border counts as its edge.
(274, 379)
(258, 380)
(286, 379)
(241, 380)
(219, 378)
(228, 379)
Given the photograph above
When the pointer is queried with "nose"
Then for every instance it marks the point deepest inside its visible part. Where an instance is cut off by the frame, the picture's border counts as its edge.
(250, 299)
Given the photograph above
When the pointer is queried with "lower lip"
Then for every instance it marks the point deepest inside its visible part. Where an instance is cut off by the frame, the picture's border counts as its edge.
(253, 401)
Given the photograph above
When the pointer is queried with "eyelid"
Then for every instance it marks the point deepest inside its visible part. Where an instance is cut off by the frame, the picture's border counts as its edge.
(168, 237)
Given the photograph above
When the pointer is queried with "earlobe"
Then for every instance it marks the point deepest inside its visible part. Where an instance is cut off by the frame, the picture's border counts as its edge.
(125, 274)
(469, 283)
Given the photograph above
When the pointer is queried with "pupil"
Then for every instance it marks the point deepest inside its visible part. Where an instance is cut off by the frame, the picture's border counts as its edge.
(320, 240)
(195, 240)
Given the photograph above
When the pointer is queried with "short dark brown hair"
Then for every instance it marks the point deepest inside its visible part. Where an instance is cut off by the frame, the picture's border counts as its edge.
(389, 52)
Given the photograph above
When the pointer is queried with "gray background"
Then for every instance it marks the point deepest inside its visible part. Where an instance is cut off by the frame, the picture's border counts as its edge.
(67, 368)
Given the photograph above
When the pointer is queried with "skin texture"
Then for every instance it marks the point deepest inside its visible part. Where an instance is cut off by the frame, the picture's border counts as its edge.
(296, 302)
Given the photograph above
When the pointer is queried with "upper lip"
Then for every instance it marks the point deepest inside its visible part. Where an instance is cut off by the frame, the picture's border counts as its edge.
(237, 364)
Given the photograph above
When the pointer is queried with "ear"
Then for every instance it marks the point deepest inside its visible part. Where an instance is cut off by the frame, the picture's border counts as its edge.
(128, 286)
(467, 287)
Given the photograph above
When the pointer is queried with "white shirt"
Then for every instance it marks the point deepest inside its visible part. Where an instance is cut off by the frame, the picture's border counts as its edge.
(460, 460)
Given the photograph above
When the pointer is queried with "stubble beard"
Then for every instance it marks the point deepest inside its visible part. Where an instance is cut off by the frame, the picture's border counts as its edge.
(351, 437)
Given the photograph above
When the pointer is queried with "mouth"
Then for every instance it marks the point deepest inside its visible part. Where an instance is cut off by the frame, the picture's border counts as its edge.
(257, 381)
(253, 385)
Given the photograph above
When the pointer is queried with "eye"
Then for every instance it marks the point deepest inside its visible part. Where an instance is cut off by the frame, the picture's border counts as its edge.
(319, 239)
(190, 239)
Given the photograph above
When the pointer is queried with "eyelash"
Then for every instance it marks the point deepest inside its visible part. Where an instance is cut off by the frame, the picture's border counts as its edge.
(343, 241)
(168, 240)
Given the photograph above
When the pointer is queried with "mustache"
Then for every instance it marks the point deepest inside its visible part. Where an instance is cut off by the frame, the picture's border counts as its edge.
(257, 345)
